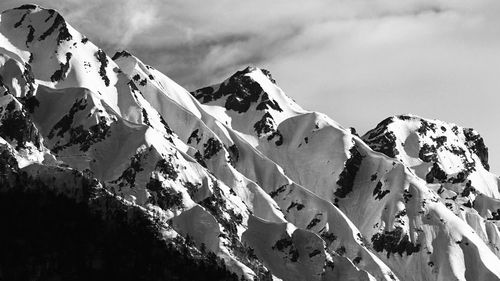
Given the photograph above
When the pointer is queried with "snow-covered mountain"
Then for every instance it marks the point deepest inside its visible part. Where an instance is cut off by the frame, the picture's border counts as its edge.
(109, 169)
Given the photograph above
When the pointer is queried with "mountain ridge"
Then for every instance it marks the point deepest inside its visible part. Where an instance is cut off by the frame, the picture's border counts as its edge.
(237, 175)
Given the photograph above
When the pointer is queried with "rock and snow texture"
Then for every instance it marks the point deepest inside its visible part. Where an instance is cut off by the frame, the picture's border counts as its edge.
(235, 180)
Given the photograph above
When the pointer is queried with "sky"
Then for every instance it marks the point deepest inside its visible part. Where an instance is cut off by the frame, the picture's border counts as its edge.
(358, 61)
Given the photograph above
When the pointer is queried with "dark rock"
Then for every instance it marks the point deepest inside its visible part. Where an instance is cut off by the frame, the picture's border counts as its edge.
(278, 135)
(129, 174)
(206, 94)
(378, 192)
(428, 153)
(314, 221)
(407, 196)
(241, 91)
(348, 174)
(296, 205)
(314, 253)
(495, 215)
(67, 120)
(165, 125)
(234, 154)
(340, 250)
(194, 136)
(60, 74)
(85, 138)
(285, 244)
(276, 192)
(440, 141)
(167, 168)
(266, 103)
(476, 144)
(468, 189)
(353, 131)
(395, 241)
(436, 173)
(265, 125)
(18, 24)
(426, 127)
(328, 237)
(26, 7)
(404, 117)
(103, 59)
(29, 78)
(192, 188)
(30, 103)
(133, 86)
(268, 74)
(17, 125)
(30, 36)
(51, 12)
(199, 158)
(121, 54)
(63, 35)
(381, 139)
(165, 198)
(212, 146)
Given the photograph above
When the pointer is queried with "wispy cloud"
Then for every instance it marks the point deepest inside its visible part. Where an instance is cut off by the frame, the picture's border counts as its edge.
(215, 35)
(358, 61)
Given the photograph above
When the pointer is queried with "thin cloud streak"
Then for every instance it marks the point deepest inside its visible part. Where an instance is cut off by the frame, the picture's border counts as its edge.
(358, 61)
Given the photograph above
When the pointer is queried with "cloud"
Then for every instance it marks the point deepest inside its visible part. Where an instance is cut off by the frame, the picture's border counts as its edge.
(359, 61)
(225, 34)
(113, 23)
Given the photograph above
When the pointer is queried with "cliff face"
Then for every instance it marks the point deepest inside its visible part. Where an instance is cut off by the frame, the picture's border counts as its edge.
(109, 169)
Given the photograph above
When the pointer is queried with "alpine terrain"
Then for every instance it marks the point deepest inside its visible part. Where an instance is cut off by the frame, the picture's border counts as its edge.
(109, 170)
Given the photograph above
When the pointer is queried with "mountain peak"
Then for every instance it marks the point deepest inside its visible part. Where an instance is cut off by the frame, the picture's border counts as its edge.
(437, 151)
(251, 68)
(35, 18)
(246, 88)
(29, 7)
(246, 70)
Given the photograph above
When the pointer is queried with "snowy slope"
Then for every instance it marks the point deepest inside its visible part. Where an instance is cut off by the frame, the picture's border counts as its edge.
(238, 170)
(319, 214)
(399, 208)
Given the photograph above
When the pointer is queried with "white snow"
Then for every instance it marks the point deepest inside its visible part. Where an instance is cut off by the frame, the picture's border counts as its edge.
(311, 199)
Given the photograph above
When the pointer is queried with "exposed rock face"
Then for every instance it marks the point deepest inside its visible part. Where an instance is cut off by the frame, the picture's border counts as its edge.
(110, 170)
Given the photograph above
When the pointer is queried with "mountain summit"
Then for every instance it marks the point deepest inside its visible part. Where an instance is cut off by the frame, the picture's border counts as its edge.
(110, 170)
